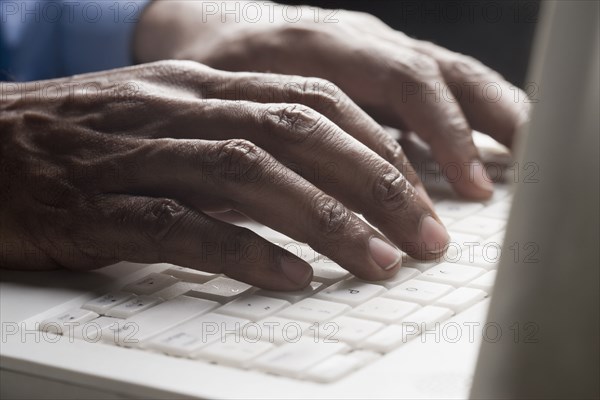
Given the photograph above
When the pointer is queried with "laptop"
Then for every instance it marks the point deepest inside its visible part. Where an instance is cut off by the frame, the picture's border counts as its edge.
(511, 311)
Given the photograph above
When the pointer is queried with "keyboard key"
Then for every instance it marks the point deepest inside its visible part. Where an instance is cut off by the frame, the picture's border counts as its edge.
(364, 356)
(150, 284)
(502, 193)
(485, 282)
(333, 369)
(477, 259)
(420, 292)
(457, 209)
(221, 289)
(64, 323)
(347, 329)
(384, 310)
(296, 295)
(241, 326)
(160, 318)
(133, 306)
(352, 292)
(314, 310)
(427, 317)
(385, 340)
(498, 210)
(266, 232)
(451, 274)
(258, 228)
(279, 330)
(185, 339)
(464, 240)
(461, 299)
(91, 331)
(293, 359)
(189, 275)
(122, 333)
(253, 307)
(421, 266)
(176, 290)
(103, 303)
(481, 226)
(327, 271)
(234, 351)
(403, 275)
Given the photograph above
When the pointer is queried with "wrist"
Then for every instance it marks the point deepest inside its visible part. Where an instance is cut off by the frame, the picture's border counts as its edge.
(243, 35)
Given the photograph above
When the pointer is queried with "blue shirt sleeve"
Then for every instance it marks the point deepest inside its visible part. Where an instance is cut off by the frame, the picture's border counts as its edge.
(51, 39)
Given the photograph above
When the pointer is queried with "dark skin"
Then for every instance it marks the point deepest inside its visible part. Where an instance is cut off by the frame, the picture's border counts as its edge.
(131, 164)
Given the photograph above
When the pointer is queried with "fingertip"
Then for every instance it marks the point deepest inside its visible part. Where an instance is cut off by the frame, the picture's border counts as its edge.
(473, 192)
(477, 185)
(298, 272)
(385, 255)
(433, 235)
(481, 178)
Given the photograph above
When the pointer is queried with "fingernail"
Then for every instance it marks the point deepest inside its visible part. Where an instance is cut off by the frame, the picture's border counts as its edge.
(383, 253)
(296, 271)
(480, 177)
(433, 235)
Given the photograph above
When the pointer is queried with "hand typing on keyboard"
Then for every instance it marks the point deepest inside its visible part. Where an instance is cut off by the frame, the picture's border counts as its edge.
(131, 164)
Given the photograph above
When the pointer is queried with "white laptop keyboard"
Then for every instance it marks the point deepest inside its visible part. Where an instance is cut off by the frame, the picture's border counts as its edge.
(323, 333)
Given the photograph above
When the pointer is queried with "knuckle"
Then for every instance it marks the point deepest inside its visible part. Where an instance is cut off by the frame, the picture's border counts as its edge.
(393, 191)
(141, 89)
(394, 154)
(175, 66)
(238, 159)
(161, 219)
(332, 216)
(464, 65)
(184, 72)
(295, 123)
(419, 67)
(321, 94)
(304, 29)
(54, 188)
(390, 149)
(458, 129)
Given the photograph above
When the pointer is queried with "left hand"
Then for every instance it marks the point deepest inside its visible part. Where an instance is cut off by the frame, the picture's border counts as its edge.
(403, 82)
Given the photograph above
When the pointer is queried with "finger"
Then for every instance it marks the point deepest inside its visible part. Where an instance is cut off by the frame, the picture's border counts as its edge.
(327, 99)
(495, 157)
(238, 175)
(332, 160)
(163, 230)
(416, 150)
(490, 103)
(387, 72)
(428, 108)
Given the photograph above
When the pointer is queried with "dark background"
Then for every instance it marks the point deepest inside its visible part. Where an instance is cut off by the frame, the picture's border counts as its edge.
(497, 32)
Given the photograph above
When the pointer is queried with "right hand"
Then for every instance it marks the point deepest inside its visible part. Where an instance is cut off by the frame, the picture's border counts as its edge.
(96, 175)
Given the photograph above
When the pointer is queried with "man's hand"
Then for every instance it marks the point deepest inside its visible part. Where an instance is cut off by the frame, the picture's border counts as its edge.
(126, 164)
(406, 83)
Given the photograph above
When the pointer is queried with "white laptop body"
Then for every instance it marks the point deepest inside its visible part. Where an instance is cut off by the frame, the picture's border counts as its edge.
(438, 364)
